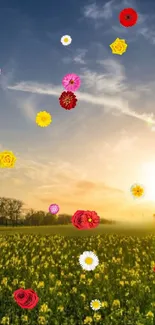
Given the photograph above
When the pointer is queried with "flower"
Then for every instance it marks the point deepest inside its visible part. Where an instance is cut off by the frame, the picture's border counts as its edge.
(137, 190)
(154, 269)
(119, 46)
(95, 304)
(43, 119)
(71, 82)
(66, 40)
(150, 314)
(54, 208)
(26, 298)
(85, 219)
(116, 303)
(67, 100)
(7, 159)
(88, 260)
(128, 17)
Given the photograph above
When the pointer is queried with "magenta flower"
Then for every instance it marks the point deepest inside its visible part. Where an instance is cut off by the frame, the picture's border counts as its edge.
(54, 208)
(71, 82)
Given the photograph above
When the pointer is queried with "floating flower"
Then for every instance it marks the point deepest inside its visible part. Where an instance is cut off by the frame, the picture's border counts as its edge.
(54, 208)
(71, 82)
(128, 17)
(26, 298)
(7, 159)
(67, 100)
(137, 190)
(85, 219)
(88, 261)
(66, 40)
(119, 46)
(95, 304)
(43, 119)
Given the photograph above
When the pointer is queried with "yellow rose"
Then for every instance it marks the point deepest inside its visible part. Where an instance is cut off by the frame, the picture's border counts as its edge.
(7, 159)
(119, 46)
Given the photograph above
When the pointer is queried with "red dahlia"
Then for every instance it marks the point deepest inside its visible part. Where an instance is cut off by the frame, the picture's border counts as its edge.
(67, 100)
(128, 17)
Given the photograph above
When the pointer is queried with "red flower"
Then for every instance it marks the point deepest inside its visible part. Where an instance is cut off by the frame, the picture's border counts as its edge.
(85, 219)
(26, 299)
(128, 17)
(67, 100)
(154, 269)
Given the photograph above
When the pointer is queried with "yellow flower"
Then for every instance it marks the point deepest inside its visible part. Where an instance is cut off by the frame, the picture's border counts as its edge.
(97, 317)
(104, 304)
(5, 321)
(7, 159)
(60, 308)
(41, 284)
(137, 190)
(24, 318)
(88, 320)
(42, 320)
(119, 46)
(44, 308)
(4, 281)
(116, 303)
(150, 314)
(83, 296)
(43, 119)
(74, 290)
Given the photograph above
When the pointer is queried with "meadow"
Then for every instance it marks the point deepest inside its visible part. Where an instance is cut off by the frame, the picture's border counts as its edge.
(46, 260)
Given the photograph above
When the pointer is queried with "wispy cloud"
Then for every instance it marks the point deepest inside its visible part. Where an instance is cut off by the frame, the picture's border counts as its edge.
(109, 90)
(80, 56)
(95, 11)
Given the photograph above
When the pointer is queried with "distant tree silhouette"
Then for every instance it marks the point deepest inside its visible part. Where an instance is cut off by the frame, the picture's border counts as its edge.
(64, 219)
(11, 214)
(10, 210)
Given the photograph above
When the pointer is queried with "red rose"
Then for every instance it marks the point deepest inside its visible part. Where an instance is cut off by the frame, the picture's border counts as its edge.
(26, 299)
(85, 219)
(76, 219)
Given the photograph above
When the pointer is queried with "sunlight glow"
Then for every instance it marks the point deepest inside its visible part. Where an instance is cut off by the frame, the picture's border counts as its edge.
(148, 178)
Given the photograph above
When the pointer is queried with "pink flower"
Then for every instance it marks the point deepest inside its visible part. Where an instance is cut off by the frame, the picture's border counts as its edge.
(71, 82)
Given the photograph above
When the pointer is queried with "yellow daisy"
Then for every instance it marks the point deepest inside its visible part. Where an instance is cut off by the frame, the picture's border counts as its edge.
(119, 46)
(137, 190)
(43, 119)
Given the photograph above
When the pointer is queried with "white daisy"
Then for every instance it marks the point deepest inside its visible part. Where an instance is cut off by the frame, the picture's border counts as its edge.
(95, 304)
(88, 261)
(66, 40)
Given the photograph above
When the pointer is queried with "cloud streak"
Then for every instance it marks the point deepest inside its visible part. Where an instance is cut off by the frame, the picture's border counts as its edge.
(116, 103)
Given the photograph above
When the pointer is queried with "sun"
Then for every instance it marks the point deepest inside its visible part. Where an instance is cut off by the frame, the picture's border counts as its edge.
(148, 179)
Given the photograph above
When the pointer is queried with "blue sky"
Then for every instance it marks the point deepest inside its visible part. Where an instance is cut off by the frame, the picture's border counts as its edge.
(89, 157)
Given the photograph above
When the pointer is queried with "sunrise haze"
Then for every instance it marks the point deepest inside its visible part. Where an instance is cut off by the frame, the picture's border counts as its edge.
(89, 157)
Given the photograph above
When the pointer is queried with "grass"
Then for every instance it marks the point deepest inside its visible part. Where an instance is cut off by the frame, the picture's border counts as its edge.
(69, 230)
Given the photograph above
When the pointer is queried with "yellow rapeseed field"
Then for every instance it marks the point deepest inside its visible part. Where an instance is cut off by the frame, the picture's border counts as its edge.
(124, 280)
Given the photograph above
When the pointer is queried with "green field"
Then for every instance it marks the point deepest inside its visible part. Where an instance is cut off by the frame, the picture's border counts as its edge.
(128, 230)
(124, 280)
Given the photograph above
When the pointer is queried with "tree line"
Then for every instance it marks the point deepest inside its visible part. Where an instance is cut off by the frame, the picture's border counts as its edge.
(12, 214)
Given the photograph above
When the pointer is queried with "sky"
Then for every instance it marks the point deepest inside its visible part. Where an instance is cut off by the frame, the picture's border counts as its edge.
(89, 157)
